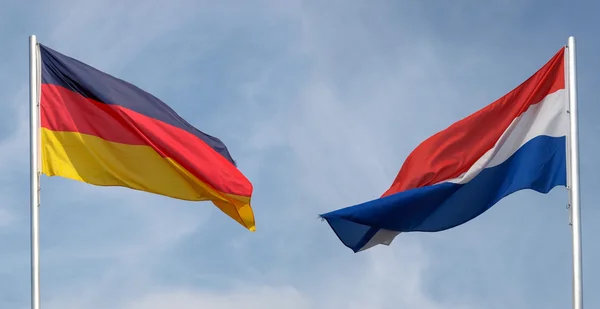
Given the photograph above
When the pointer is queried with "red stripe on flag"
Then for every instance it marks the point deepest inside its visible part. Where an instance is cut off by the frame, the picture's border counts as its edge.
(453, 151)
(64, 110)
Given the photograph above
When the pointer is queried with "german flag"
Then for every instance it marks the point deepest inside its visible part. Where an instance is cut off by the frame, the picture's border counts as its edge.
(104, 131)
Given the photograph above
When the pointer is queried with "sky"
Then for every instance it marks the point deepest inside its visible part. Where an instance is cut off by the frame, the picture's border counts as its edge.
(319, 102)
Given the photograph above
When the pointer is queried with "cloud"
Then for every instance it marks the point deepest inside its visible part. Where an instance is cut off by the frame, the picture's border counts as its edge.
(6, 218)
(255, 297)
(368, 286)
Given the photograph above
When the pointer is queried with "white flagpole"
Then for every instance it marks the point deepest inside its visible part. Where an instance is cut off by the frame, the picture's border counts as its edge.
(574, 191)
(34, 169)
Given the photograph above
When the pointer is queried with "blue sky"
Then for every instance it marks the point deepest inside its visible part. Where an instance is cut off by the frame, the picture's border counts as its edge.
(319, 102)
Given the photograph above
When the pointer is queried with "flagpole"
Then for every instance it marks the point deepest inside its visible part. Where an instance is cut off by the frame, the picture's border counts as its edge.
(574, 196)
(34, 172)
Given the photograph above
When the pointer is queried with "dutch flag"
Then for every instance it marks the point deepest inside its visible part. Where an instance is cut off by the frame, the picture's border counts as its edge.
(517, 142)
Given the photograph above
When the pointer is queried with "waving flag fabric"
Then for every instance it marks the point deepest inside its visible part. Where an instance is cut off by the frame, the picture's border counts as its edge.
(104, 131)
(517, 142)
